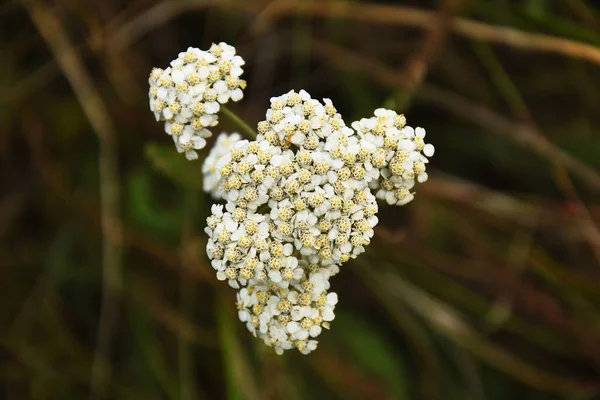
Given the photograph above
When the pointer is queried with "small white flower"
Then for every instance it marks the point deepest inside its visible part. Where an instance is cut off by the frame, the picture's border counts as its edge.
(188, 142)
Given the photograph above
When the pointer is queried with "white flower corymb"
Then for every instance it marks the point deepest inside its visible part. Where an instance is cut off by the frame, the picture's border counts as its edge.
(401, 155)
(301, 200)
(187, 95)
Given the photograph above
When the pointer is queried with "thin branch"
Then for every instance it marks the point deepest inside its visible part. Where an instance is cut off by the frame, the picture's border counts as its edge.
(414, 17)
(153, 17)
(87, 210)
(520, 110)
(51, 30)
(446, 321)
(522, 134)
(167, 10)
(415, 69)
(251, 133)
(28, 84)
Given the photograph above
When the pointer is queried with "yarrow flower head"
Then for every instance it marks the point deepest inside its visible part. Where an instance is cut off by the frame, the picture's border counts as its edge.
(187, 95)
(300, 199)
(400, 153)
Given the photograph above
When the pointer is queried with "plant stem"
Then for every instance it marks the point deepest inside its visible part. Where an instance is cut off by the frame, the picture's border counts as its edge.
(251, 133)
(193, 202)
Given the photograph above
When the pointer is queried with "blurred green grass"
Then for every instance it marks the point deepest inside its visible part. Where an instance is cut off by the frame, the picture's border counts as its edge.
(485, 287)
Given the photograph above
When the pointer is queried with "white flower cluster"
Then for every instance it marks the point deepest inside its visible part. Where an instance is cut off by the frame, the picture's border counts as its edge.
(401, 154)
(187, 95)
(298, 205)
(287, 318)
(300, 199)
(282, 299)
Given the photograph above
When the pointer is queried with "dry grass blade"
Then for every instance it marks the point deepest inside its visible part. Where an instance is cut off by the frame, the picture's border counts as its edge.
(415, 69)
(138, 26)
(171, 319)
(513, 97)
(541, 212)
(446, 321)
(540, 304)
(454, 189)
(51, 30)
(520, 133)
(408, 16)
(165, 11)
(89, 212)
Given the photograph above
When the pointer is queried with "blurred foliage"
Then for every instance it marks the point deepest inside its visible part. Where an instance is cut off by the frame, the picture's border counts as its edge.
(486, 287)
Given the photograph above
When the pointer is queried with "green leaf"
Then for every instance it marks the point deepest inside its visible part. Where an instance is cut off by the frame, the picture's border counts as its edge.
(143, 207)
(175, 166)
(585, 149)
(152, 357)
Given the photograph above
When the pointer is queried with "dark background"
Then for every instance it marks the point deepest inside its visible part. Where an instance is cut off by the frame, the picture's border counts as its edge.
(486, 286)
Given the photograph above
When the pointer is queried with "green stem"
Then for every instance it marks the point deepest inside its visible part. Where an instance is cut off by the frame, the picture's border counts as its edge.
(251, 133)
(500, 77)
(193, 201)
(240, 379)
